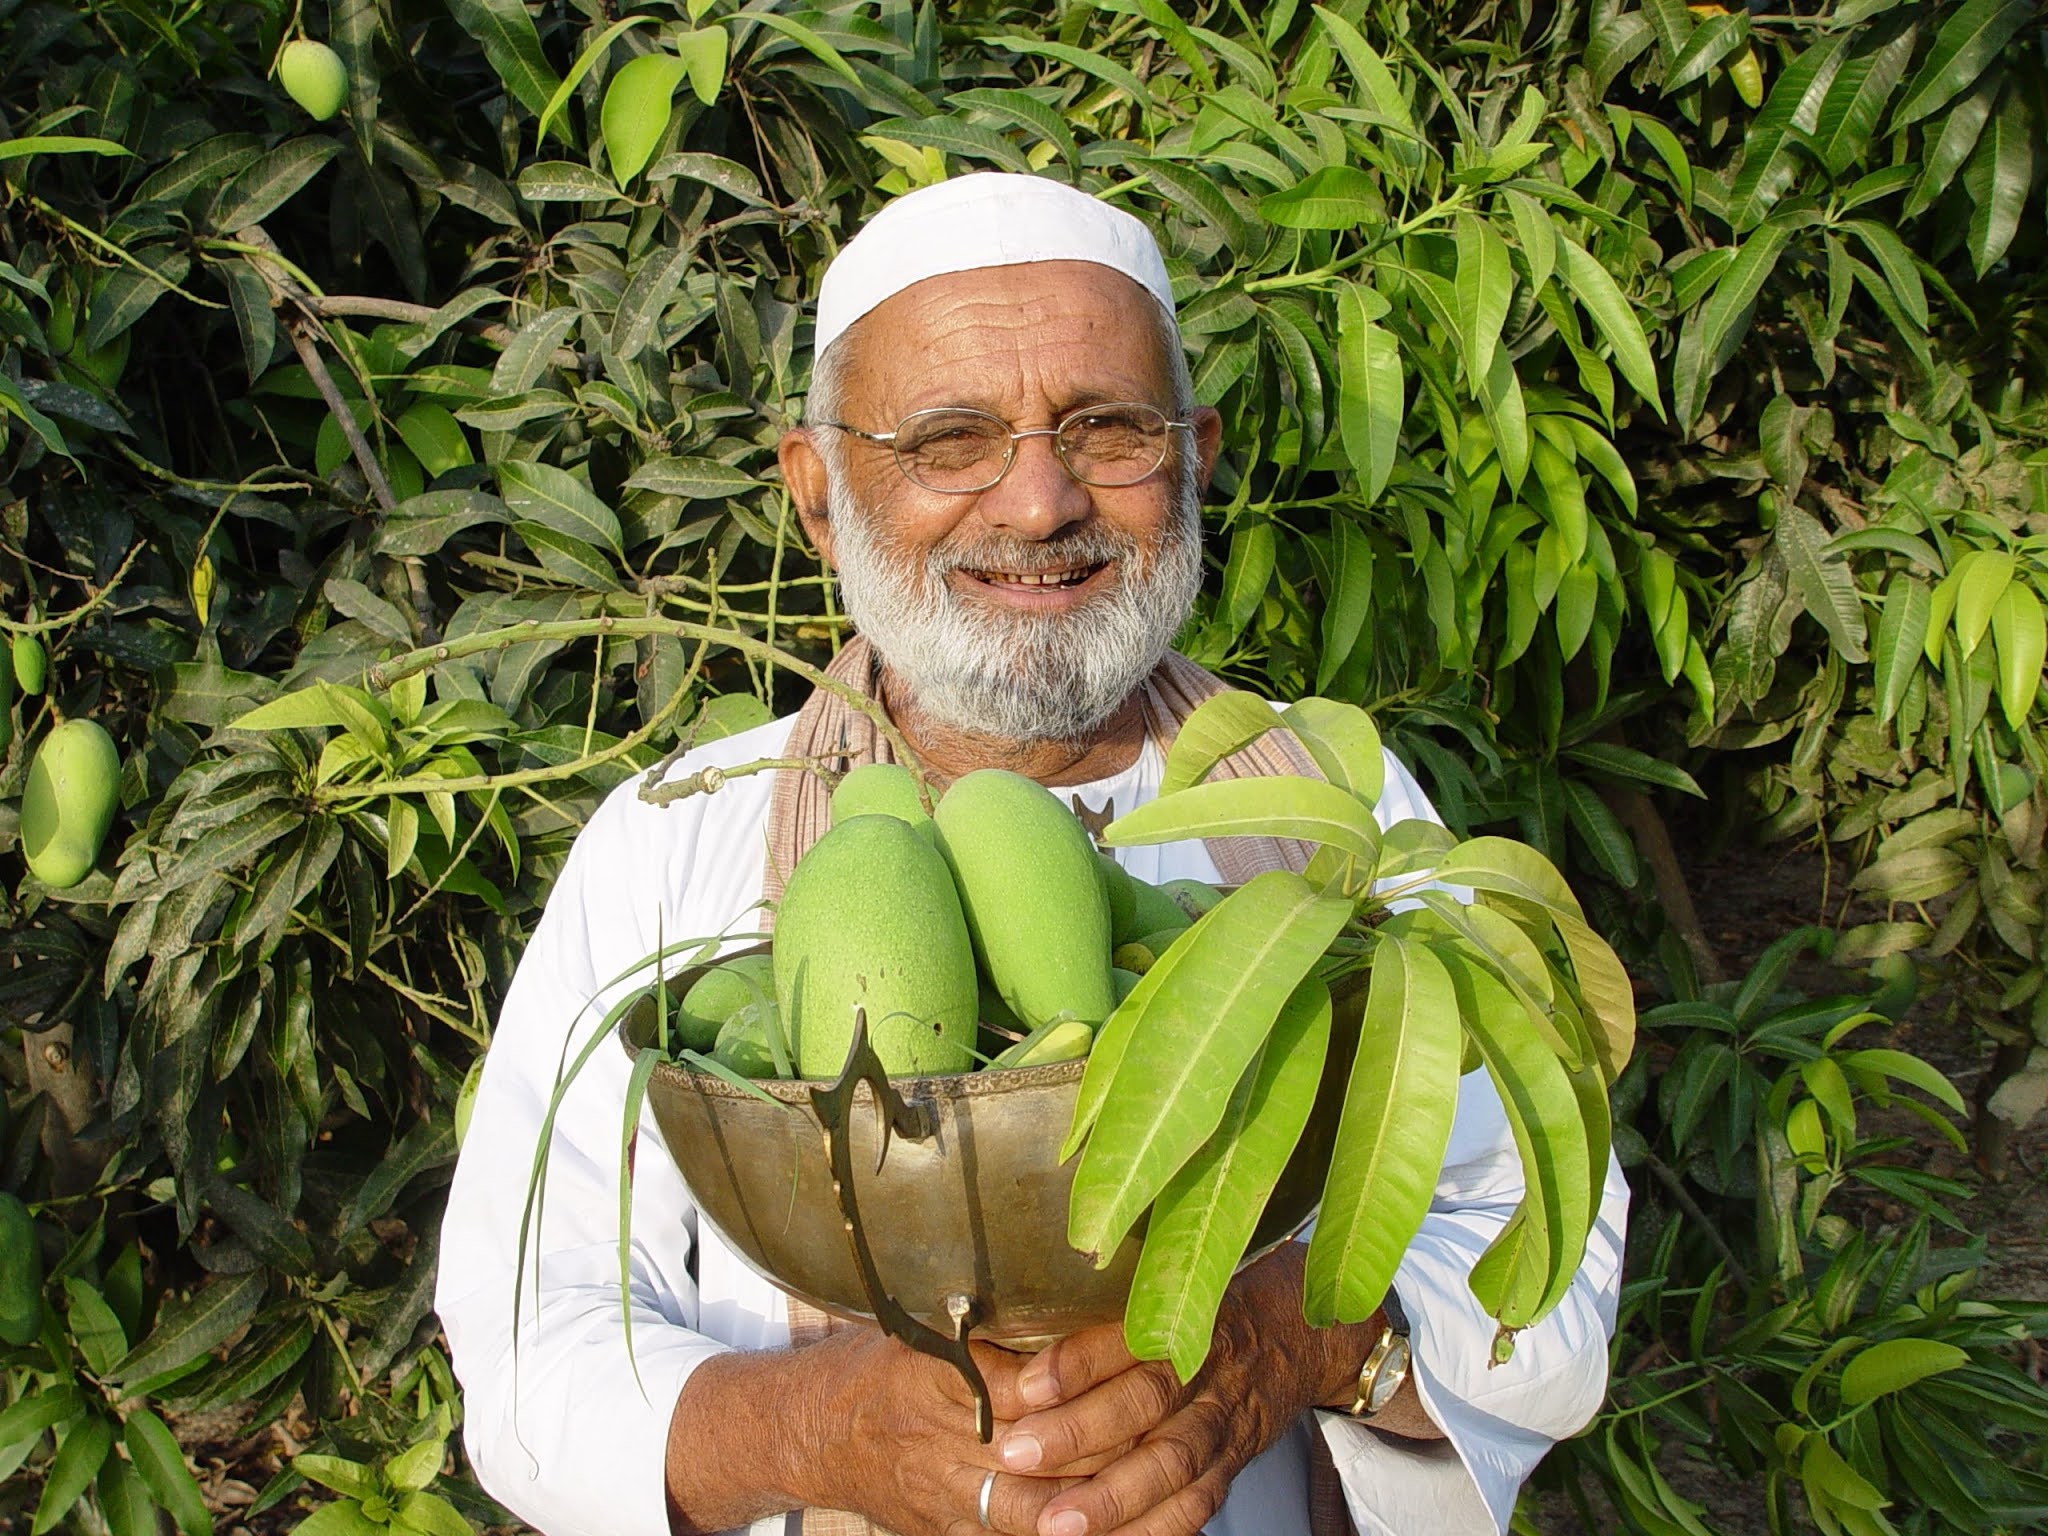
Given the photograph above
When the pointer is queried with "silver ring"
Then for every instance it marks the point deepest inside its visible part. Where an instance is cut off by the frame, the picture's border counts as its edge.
(988, 1486)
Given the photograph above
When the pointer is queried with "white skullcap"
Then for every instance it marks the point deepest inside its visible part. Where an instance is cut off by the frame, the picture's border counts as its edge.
(988, 219)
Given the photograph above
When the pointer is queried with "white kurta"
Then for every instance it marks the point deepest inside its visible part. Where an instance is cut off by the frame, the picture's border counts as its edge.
(565, 1432)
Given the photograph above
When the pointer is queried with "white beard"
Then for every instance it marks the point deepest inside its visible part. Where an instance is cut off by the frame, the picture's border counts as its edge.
(1019, 677)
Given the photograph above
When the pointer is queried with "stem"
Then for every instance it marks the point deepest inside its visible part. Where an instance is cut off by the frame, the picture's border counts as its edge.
(121, 254)
(497, 783)
(1675, 1187)
(708, 781)
(97, 595)
(384, 674)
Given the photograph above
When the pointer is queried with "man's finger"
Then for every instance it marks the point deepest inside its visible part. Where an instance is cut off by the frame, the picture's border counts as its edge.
(1167, 1485)
(1014, 1503)
(999, 1369)
(1074, 1364)
(1128, 1406)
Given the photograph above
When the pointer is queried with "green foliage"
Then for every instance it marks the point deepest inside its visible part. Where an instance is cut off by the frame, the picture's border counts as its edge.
(1622, 401)
(1799, 1352)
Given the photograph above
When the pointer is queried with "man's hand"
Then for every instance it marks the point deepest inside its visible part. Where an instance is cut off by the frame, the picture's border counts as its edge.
(855, 1421)
(1172, 1450)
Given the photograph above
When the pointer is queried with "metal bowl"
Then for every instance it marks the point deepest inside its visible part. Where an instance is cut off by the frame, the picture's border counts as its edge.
(976, 1210)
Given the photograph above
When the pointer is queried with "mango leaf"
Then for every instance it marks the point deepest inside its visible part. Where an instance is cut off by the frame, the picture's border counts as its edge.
(1281, 806)
(705, 51)
(555, 498)
(1248, 572)
(808, 40)
(430, 1515)
(161, 1464)
(1978, 581)
(421, 525)
(1823, 581)
(592, 52)
(186, 1330)
(637, 104)
(124, 1501)
(1367, 68)
(1968, 42)
(2018, 631)
(1997, 177)
(1855, 101)
(1106, 1056)
(1370, 390)
(1484, 286)
(696, 479)
(28, 1416)
(1350, 598)
(1221, 724)
(72, 1470)
(1771, 147)
(1344, 742)
(512, 47)
(1895, 1364)
(1398, 1107)
(1192, 1044)
(1108, 71)
(270, 182)
(1205, 1216)
(1903, 1067)
(1612, 315)
(94, 1328)
(1543, 1112)
(564, 181)
(1335, 197)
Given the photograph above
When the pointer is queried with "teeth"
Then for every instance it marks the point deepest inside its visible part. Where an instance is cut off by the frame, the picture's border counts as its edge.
(1036, 578)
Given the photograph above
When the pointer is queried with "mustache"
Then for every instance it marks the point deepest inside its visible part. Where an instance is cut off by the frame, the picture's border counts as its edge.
(1083, 546)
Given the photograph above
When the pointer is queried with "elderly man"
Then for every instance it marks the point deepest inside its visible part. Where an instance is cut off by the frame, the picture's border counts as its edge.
(1002, 462)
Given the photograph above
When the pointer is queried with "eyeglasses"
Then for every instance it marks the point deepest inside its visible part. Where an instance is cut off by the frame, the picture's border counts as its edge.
(953, 450)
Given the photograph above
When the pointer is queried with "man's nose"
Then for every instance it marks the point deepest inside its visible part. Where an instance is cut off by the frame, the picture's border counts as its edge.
(1037, 498)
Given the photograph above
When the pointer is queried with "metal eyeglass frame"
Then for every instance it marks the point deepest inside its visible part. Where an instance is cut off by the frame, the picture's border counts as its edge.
(888, 439)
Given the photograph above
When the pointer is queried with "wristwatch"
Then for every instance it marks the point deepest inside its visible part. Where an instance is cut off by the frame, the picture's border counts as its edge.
(1387, 1366)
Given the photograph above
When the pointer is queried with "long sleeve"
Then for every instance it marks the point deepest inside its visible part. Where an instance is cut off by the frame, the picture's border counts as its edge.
(565, 1426)
(1500, 1420)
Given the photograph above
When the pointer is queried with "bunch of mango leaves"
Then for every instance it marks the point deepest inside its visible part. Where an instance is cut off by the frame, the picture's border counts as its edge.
(1202, 1083)
(1514, 320)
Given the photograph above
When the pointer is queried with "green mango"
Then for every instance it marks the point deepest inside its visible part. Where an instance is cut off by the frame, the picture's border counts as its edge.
(718, 995)
(742, 1045)
(313, 75)
(1118, 891)
(1193, 897)
(1155, 910)
(31, 664)
(1065, 1040)
(74, 787)
(870, 919)
(880, 789)
(1031, 887)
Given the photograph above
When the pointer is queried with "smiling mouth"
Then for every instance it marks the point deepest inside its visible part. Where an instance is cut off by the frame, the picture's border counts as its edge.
(1071, 576)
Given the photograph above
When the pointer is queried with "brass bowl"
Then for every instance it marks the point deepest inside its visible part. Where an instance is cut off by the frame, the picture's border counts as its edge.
(976, 1210)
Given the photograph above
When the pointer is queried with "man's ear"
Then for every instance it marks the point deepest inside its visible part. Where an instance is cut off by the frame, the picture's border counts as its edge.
(1208, 439)
(803, 472)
